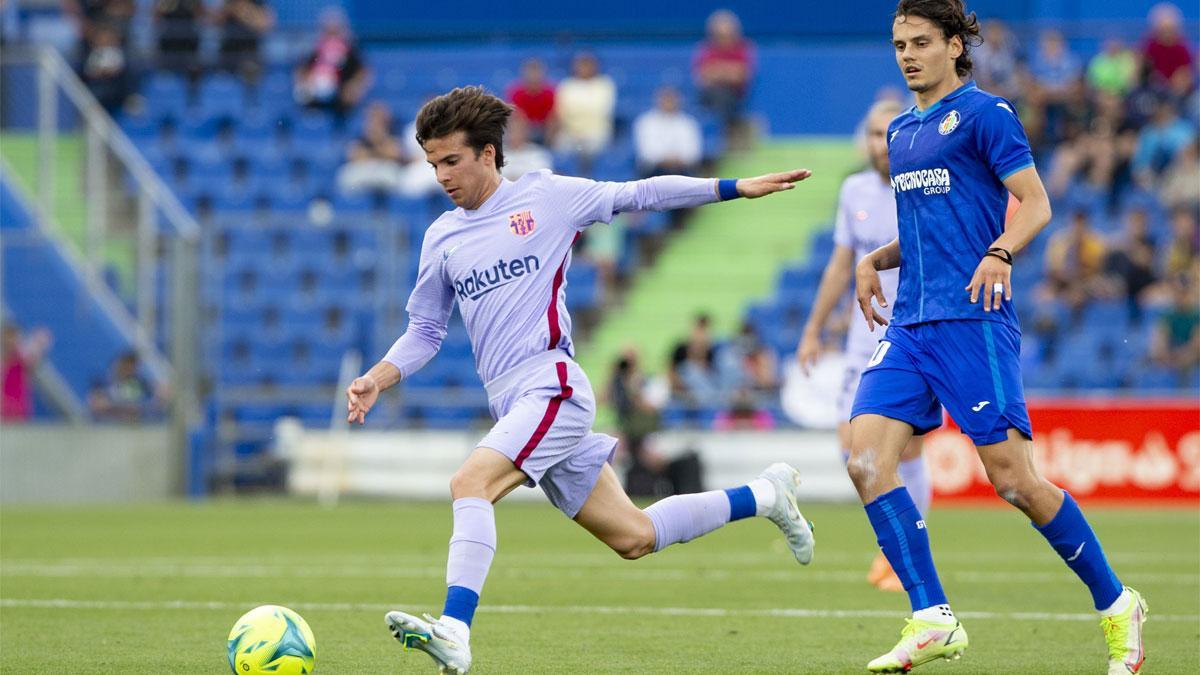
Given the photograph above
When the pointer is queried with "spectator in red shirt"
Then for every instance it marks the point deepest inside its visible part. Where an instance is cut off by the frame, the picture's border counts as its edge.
(723, 67)
(1165, 49)
(18, 359)
(533, 95)
(334, 76)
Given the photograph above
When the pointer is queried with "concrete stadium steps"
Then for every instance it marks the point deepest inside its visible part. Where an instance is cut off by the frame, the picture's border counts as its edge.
(727, 256)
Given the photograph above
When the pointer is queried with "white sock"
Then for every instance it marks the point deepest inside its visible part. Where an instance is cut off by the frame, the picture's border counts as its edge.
(1119, 605)
(461, 630)
(764, 495)
(936, 614)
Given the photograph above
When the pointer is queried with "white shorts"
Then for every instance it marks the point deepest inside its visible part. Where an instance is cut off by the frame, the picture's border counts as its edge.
(544, 408)
(856, 361)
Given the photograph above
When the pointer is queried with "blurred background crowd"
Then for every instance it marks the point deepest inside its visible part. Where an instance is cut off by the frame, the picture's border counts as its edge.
(284, 148)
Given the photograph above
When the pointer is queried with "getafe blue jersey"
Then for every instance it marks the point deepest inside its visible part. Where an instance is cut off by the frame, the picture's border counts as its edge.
(948, 164)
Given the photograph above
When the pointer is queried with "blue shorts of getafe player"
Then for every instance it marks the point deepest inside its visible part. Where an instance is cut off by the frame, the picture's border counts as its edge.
(971, 367)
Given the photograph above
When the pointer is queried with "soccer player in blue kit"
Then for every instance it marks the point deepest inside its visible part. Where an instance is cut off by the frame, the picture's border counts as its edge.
(954, 158)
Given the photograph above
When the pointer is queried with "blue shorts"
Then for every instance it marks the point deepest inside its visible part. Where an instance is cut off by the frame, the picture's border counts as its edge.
(970, 367)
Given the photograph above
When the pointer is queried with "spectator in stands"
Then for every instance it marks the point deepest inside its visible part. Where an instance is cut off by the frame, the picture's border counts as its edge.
(1054, 65)
(1181, 183)
(1094, 154)
(1131, 261)
(1159, 143)
(522, 155)
(106, 68)
(19, 358)
(533, 96)
(243, 23)
(91, 15)
(1114, 70)
(750, 366)
(1165, 48)
(374, 159)
(723, 68)
(997, 61)
(636, 417)
(693, 373)
(178, 25)
(1057, 72)
(1183, 253)
(745, 413)
(333, 77)
(667, 140)
(583, 110)
(605, 247)
(1074, 263)
(126, 396)
(1175, 342)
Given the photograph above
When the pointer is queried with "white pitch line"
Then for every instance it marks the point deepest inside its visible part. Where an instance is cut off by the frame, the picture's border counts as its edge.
(612, 571)
(791, 612)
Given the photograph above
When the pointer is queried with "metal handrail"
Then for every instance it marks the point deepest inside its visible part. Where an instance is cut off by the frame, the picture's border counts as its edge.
(101, 122)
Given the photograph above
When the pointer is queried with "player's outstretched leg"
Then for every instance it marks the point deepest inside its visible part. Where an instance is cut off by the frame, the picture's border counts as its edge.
(485, 477)
(772, 495)
(1056, 516)
(933, 632)
(631, 532)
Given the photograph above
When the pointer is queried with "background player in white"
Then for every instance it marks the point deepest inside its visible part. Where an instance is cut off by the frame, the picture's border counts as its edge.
(865, 221)
(502, 256)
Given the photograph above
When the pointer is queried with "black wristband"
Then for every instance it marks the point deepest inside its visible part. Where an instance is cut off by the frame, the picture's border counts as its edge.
(1000, 253)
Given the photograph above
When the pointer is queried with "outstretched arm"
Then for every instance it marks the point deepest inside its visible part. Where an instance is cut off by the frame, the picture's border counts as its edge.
(662, 193)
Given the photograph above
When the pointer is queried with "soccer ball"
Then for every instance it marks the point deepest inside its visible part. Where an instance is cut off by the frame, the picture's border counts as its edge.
(271, 639)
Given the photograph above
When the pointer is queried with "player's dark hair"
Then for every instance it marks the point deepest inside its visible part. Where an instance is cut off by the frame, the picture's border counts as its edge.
(952, 17)
(471, 110)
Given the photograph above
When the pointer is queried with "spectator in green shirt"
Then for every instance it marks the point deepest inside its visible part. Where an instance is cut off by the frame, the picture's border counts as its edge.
(1113, 70)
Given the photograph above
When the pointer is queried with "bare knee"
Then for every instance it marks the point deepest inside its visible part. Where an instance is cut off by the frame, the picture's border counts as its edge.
(466, 483)
(1014, 484)
(862, 467)
(638, 542)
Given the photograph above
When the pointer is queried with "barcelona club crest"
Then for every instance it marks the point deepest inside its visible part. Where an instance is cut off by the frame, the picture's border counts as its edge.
(949, 122)
(521, 223)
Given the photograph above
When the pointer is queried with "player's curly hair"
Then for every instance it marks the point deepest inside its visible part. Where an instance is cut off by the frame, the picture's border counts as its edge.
(952, 17)
(481, 116)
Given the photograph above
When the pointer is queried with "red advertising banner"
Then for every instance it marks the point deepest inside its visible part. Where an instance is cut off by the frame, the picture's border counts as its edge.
(1109, 449)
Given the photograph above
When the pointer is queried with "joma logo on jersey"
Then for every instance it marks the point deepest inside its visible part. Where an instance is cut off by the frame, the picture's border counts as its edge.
(521, 223)
(931, 181)
(479, 283)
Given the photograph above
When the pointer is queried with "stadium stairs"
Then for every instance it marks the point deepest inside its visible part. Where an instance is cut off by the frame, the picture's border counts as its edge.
(46, 285)
(729, 255)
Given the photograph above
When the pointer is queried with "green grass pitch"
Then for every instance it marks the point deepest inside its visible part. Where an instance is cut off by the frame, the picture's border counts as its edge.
(142, 589)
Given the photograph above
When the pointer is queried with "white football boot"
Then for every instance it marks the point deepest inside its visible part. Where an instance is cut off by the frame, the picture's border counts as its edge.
(786, 514)
(441, 642)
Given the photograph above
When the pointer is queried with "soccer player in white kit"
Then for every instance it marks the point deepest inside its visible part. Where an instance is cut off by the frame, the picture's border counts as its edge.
(502, 255)
(866, 220)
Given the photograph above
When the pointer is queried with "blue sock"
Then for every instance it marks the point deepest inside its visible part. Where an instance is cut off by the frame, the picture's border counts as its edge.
(901, 533)
(461, 603)
(1073, 539)
(741, 502)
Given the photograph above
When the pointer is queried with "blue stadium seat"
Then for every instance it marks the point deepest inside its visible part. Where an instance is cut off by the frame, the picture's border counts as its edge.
(583, 286)
(166, 96)
(221, 95)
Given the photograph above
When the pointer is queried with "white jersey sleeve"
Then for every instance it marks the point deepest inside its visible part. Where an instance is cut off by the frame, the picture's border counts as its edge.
(433, 295)
(590, 201)
(843, 233)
